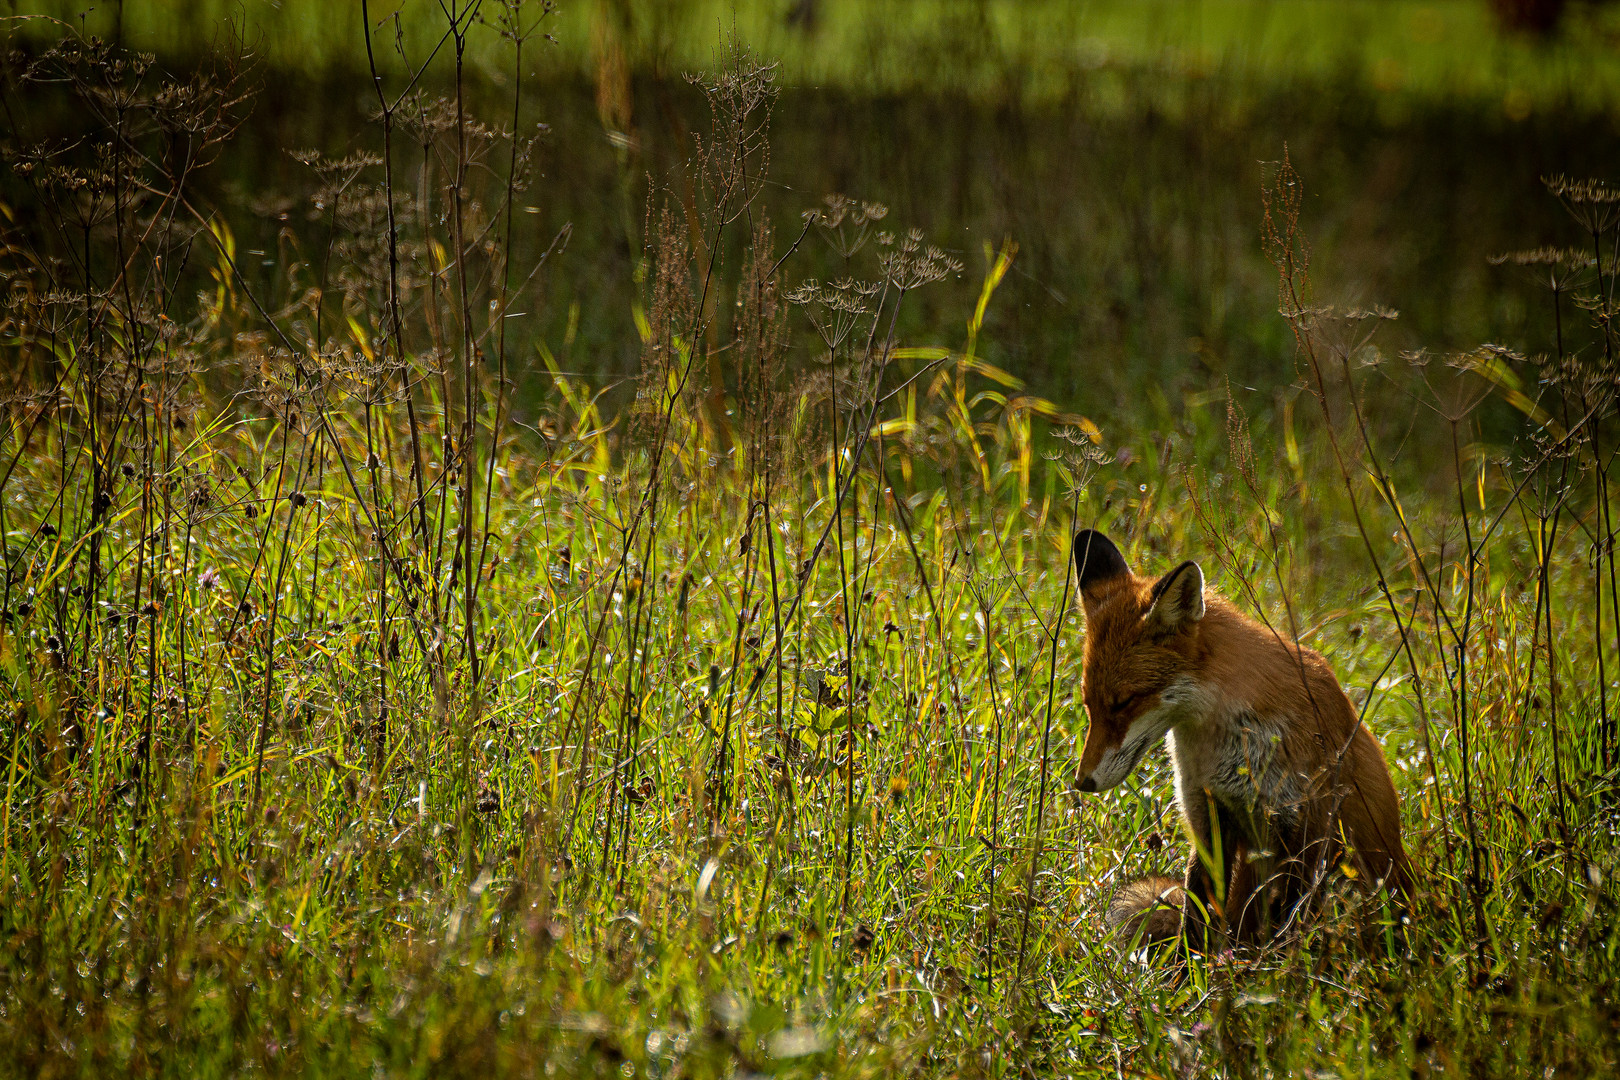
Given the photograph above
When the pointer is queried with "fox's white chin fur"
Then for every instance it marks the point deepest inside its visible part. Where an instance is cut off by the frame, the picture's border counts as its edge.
(1177, 702)
(1118, 761)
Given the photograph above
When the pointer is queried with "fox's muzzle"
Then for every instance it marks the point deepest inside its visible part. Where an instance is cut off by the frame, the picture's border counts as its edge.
(1088, 785)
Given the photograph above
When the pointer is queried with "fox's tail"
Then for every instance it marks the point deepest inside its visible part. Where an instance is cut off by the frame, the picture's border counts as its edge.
(1146, 910)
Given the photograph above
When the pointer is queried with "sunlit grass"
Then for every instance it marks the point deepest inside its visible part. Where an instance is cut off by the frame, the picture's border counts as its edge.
(500, 896)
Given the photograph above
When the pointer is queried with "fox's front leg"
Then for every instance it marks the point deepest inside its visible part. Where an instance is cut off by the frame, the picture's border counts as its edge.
(1203, 904)
(1200, 909)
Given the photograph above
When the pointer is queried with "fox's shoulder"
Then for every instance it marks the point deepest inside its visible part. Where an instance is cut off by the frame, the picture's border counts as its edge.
(1259, 666)
(1230, 627)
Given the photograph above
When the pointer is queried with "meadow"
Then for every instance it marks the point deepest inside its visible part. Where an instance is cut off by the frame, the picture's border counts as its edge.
(388, 694)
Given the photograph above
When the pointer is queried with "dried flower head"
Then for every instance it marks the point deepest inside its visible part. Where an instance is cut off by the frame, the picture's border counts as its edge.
(1087, 456)
(835, 308)
(733, 160)
(1556, 267)
(1593, 203)
(910, 264)
(846, 223)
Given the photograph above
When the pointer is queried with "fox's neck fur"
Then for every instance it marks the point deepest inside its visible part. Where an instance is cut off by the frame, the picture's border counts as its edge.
(1253, 717)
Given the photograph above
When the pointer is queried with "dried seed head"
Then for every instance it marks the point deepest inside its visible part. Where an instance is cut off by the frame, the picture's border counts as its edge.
(911, 264)
(835, 308)
(1556, 268)
(846, 223)
(1593, 203)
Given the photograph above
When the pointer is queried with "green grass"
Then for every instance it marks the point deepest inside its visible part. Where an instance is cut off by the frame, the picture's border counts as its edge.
(356, 725)
(457, 902)
(1410, 51)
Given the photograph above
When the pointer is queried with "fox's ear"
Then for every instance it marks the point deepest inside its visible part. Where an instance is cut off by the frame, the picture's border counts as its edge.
(1097, 561)
(1178, 599)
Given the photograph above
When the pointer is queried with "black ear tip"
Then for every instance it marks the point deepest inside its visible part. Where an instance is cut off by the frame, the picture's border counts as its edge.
(1097, 557)
(1090, 538)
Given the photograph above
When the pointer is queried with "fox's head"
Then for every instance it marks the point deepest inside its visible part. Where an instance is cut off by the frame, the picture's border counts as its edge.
(1141, 641)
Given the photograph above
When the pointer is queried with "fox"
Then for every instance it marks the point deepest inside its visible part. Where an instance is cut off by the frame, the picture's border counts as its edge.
(1277, 779)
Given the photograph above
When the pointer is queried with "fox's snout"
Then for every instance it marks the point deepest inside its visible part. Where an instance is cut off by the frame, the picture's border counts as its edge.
(1109, 765)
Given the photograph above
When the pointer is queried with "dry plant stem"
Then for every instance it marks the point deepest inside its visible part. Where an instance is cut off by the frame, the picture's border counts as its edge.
(632, 704)
(396, 321)
(1601, 480)
(622, 770)
(904, 517)
(1046, 761)
(1545, 541)
(1535, 536)
(995, 810)
(723, 764)
(786, 777)
(518, 36)
(460, 18)
(846, 579)
(640, 634)
(1547, 537)
(1284, 243)
(1611, 724)
(1612, 727)
(275, 607)
(1606, 408)
(1598, 545)
(946, 669)
(325, 420)
(849, 740)
(646, 510)
(785, 802)
(842, 492)
(379, 724)
(153, 664)
(616, 779)
(1552, 656)
(629, 708)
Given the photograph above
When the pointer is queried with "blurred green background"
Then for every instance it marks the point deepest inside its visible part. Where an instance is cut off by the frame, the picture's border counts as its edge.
(1120, 143)
(1501, 53)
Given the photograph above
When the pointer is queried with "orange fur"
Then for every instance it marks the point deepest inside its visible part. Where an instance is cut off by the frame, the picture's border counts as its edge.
(1276, 776)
